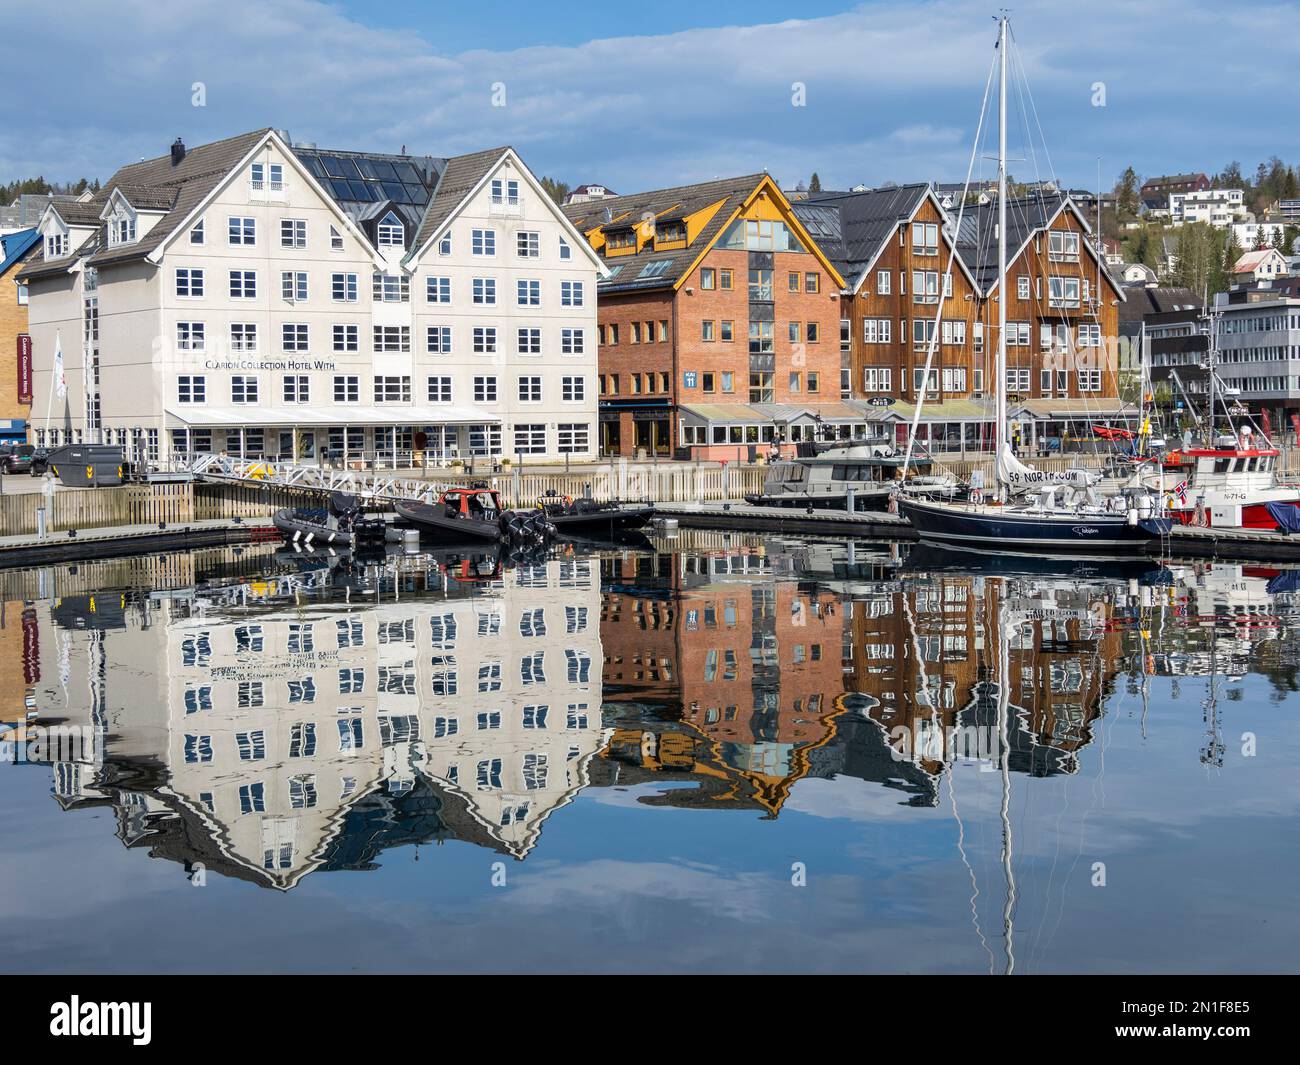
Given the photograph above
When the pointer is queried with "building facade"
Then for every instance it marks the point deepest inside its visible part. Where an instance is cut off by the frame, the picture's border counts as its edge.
(1259, 348)
(719, 318)
(265, 299)
(1215, 207)
(15, 340)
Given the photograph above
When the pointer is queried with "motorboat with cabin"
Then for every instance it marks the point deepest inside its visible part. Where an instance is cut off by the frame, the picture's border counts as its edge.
(1229, 484)
(822, 475)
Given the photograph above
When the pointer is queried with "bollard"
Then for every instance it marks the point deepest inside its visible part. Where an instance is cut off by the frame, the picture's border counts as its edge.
(851, 500)
(40, 523)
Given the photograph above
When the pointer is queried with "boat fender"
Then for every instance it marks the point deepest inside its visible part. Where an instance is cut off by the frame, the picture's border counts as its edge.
(1132, 516)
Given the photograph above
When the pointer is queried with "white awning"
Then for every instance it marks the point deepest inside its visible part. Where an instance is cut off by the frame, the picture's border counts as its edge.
(312, 417)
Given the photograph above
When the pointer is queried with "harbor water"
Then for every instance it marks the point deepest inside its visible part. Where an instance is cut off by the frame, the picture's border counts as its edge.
(709, 753)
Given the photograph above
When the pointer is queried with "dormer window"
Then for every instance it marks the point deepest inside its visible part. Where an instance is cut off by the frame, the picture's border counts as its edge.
(670, 233)
(56, 245)
(390, 233)
(121, 230)
(267, 176)
(505, 191)
(621, 238)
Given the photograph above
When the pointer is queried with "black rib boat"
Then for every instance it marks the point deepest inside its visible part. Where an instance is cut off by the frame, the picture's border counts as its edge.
(590, 519)
(474, 513)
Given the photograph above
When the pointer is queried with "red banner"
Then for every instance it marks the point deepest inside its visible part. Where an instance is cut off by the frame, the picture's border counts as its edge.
(24, 368)
(1295, 424)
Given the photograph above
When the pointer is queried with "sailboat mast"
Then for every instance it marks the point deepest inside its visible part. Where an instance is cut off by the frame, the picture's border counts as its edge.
(1000, 430)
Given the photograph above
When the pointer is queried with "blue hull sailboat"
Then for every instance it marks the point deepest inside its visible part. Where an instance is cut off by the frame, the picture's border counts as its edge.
(1033, 510)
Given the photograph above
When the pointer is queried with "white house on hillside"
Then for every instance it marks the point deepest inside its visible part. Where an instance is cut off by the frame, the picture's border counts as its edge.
(1261, 265)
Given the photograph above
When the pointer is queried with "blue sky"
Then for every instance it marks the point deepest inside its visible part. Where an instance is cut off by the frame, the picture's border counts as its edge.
(642, 96)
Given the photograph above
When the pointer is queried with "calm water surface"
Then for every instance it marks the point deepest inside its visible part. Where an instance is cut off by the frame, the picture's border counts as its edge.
(718, 753)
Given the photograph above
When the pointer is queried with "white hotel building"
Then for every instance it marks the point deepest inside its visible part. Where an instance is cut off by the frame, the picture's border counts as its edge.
(264, 298)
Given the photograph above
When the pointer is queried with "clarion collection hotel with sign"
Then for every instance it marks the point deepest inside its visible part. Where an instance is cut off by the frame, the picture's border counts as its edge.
(262, 297)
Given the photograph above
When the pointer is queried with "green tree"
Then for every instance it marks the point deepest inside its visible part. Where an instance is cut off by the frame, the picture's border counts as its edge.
(556, 190)
(1127, 191)
(814, 183)
(1195, 259)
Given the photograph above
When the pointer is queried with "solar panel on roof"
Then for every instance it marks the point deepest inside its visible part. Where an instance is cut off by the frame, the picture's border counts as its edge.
(393, 190)
(341, 190)
(361, 191)
(336, 167)
(406, 172)
(313, 164)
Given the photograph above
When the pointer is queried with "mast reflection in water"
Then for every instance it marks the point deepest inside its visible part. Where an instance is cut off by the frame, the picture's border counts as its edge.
(905, 728)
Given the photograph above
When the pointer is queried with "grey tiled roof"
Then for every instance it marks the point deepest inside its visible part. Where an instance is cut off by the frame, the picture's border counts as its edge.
(75, 213)
(188, 182)
(615, 212)
(459, 177)
(149, 198)
(153, 184)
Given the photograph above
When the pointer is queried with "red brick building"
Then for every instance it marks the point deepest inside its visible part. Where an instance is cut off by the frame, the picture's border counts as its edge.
(718, 323)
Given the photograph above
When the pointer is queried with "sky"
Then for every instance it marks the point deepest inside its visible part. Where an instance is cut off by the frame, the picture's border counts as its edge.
(643, 96)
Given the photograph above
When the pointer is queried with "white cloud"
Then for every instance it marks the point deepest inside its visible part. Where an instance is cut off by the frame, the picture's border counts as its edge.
(893, 90)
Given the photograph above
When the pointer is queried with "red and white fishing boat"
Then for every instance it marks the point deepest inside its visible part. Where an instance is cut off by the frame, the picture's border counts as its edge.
(1227, 486)
(1226, 479)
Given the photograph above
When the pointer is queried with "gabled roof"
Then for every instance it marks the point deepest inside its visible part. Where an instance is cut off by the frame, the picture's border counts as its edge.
(153, 185)
(188, 183)
(853, 228)
(147, 198)
(460, 176)
(861, 223)
(1173, 179)
(614, 212)
(977, 240)
(79, 213)
(13, 246)
(1253, 260)
(176, 189)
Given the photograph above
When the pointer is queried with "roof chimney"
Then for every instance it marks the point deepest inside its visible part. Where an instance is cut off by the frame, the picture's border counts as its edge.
(178, 151)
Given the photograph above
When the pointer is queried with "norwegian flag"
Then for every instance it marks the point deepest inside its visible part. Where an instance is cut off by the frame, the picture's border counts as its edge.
(1180, 490)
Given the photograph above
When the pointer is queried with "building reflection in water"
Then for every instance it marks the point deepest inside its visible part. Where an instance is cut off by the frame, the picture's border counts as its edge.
(270, 718)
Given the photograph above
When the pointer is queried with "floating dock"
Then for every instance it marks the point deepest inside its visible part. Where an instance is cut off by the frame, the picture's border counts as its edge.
(118, 541)
(1183, 541)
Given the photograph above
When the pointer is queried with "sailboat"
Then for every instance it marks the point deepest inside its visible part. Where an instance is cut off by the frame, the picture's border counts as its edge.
(1059, 511)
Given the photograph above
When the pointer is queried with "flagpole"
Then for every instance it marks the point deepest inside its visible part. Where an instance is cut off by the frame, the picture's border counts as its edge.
(49, 399)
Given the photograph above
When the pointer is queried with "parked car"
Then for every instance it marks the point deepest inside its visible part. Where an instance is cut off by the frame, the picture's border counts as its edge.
(40, 462)
(16, 458)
